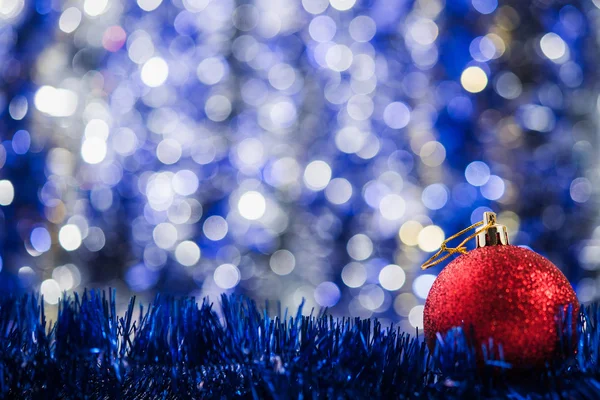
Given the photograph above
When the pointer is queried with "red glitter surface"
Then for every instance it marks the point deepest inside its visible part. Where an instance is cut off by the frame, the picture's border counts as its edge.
(508, 293)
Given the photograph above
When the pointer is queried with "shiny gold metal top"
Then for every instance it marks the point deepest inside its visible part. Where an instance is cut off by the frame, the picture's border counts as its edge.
(494, 235)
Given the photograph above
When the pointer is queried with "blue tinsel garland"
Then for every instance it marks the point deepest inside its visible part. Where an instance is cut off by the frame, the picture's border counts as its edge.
(180, 349)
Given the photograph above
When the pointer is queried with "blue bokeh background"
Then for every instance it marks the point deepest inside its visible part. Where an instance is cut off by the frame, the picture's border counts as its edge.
(291, 149)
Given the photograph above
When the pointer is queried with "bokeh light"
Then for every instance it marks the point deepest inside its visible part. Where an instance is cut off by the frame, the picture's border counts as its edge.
(227, 276)
(392, 277)
(318, 149)
(474, 79)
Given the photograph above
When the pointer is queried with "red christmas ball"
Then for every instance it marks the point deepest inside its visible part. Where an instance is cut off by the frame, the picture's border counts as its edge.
(507, 293)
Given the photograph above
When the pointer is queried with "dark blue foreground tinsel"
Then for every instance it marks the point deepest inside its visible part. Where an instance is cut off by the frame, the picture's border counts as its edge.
(177, 348)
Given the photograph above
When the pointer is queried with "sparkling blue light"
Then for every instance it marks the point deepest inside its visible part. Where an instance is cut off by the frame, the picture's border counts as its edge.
(493, 189)
(435, 196)
(140, 278)
(477, 173)
(21, 142)
(40, 239)
(485, 6)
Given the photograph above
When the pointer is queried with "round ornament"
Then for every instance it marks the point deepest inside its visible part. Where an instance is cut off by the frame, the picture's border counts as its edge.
(508, 293)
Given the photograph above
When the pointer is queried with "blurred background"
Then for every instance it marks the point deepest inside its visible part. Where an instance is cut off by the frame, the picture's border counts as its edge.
(289, 149)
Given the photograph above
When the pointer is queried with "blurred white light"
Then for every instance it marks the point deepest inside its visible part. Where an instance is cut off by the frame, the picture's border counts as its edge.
(493, 189)
(315, 6)
(124, 141)
(396, 115)
(227, 276)
(285, 171)
(430, 238)
(140, 47)
(215, 227)
(553, 46)
(26, 276)
(485, 6)
(69, 237)
(187, 253)
(282, 76)
(155, 72)
(180, 212)
(217, 108)
(93, 150)
(21, 141)
(415, 316)
(360, 247)
(477, 173)
(435, 196)
(18, 107)
(422, 285)
(432, 153)
(392, 207)
(165, 235)
(322, 28)
(97, 128)
(360, 107)
(7, 192)
(339, 57)
(403, 303)
(327, 294)
(392, 277)
(354, 275)
(423, 31)
(317, 175)
(55, 102)
(66, 276)
(363, 67)
(93, 8)
(211, 70)
(95, 239)
(251, 151)
(195, 5)
(537, 118)
(586, 290)
(81, 222)
(69, 20)
(409, 232)
(245, 17)
(168, 151)
(350, 139)
(580, 190)
(159, 192)
(282, 262)
(362, 28)
(508, 85)
(282, 114)
(474, 79)
(51, 291)
(252, 205)
(338, 191)
(154, 257)
(149, 5)
(371, 297)
(185, 182)
(10, 9)
(342, 5)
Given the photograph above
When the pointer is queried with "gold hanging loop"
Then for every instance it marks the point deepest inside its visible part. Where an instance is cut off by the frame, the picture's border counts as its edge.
(460, 249)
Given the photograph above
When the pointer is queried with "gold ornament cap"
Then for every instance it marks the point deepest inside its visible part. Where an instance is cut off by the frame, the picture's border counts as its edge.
(494, 235)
